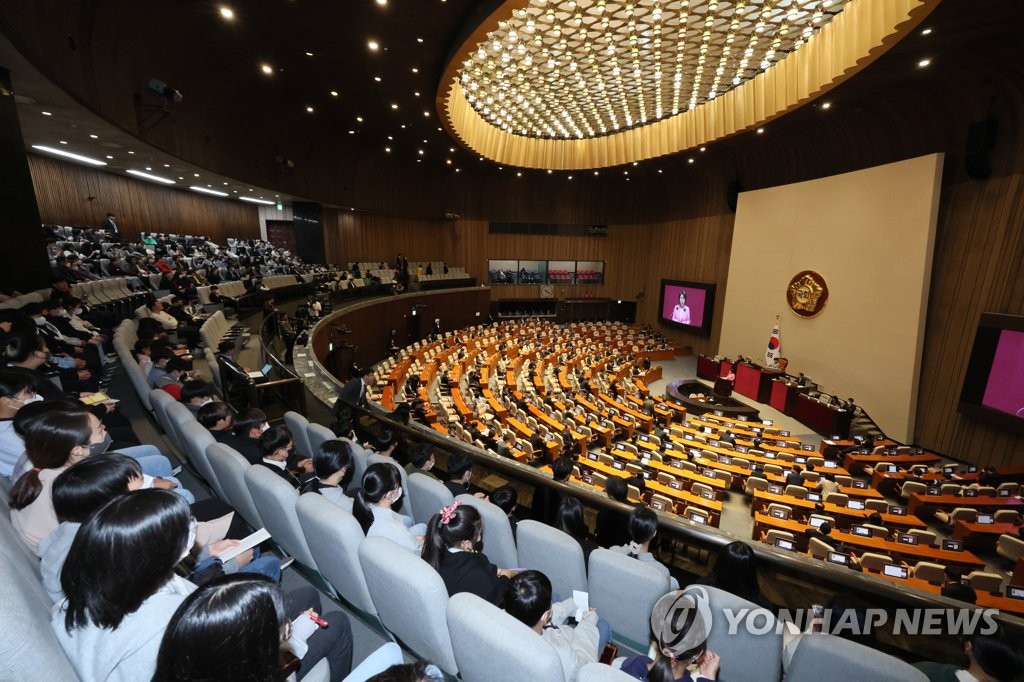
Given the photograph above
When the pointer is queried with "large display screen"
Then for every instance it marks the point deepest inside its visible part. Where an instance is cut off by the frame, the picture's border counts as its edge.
(687, 305)
(993, 389)
(509, 271)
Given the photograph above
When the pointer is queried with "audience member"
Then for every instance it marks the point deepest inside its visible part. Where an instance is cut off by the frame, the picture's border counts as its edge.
(460, 472)
(612, 525)
(506, 499)
(735, 571)
(680, 624)
(643, 526)
(373, 508)
(421, 461)
(453, 547)
(994, 657)
(570, 521)
(547, 499)
(332, 471)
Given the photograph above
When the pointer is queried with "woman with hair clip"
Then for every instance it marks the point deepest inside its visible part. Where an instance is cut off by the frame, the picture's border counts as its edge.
(679, 623)
(570, 521)
(231, 629)
(382, 488)
(643, 526)
(332, 469)
(453, 548)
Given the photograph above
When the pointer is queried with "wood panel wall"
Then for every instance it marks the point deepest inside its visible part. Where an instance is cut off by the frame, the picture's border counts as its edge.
(69, 194)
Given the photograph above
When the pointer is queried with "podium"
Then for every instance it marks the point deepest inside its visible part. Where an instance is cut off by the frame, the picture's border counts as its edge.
(754, 382)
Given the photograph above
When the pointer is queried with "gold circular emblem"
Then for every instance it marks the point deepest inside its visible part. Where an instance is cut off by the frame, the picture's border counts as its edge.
(807, 293)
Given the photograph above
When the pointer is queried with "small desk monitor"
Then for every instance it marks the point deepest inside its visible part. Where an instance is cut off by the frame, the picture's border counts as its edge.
(895, 571)
(839, 558)
(783, 543)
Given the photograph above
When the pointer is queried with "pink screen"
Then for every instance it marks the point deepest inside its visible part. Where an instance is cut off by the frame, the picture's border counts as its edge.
(1005, 388)
(694, 301)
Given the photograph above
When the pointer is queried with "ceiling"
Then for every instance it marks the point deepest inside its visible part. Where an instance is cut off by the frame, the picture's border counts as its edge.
(376, 144)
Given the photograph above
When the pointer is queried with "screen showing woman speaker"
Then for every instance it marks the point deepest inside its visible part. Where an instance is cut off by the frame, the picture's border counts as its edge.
(687, 305)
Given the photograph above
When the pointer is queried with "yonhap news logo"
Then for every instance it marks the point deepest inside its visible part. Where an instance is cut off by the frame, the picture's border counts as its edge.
(858, 622)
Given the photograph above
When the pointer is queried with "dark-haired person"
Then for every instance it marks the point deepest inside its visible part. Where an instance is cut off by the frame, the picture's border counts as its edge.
(235, 628)
(373, 508)
(332, 472)
(354, 391)
(246, 430)
(680, 624)
(643, 526)
(15, 391)
(735, 571)
(421, 460)
(612, 527)
(506, 499)
(217, 417)
(275, 448)
(570, 521)
(547, 500)
(453, 547)
(196, 393)
(529, 601)
(994, 657)
(460, 473)
(410, 672)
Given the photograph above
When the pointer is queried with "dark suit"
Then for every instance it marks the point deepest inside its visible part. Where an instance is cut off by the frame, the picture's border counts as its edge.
(283, 473)
(795, 479)
(353, 392)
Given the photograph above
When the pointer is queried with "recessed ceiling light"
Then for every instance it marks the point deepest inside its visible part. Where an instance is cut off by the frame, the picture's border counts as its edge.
(167, 165)
(130, 151)
(377, 78)
(419, 40)
(69, 155)
(660, 171)
(690, 160)
(570, 177)
(267, 69)
(826, 105)
(195, 175)
(109, 156)
(382, 3)
(373, 45)
(309, 54)
(359, 118)
(760, 130)
(147, 176)
(394, 106)
(519, 174)
(351, 132)
(63, 141)
(309, 109)
(417, 94)
(225, 184)
(426, 114)
(149, 168)
(254, 200)
(46, 113)
(227, 13)
(458, 170)
(448, 161)
(387, 149)
(334, 93)
(926, 32)
(204, 190)
(420, 152)
(702, 149)
(924, 62)
(94, 136)
(415, 70)
(391, 137)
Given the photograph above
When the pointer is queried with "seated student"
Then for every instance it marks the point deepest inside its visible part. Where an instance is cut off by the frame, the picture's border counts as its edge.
(680, 624)
(332, 471)
(643, 526)
(275, 448)
(506, 498)
(421, 460)
(237, 627)
(15, 391)
(612, 526)
(174, 376)
(827, 484)
(453, 543)
(547, 500)
(735, 572)
(570, 520)
(529, 601)
(88, 485)
(196, 393)
(994, 657)
(373, 508)
(795, 477)
(159, 357)
(245, 434)
(409, 672)
(460, 472)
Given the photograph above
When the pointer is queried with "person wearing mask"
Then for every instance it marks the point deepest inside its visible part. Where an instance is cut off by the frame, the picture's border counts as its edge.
(529, 601)
(993, 657)
(374, 508)
(15, 391)
(275, 447)
(643, 527)
(332, 469)
(421, 461)
(453, 548)
(196, 393)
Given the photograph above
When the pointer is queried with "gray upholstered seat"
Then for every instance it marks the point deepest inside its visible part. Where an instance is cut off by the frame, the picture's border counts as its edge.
(752, 657)
(499, 544)
(843, 660)
(297, 426)
(229, 467)
(411, 600)
(599, 672)
(554, 553)
(276, 501)
(196, 439)
(28, 649)
(428, 496)
(317, 434)
(624, 590)
(177, 416)
(160, 399)
(492, 646)
(334, 537)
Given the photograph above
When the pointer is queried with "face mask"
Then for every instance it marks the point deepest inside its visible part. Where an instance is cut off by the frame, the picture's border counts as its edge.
(40, 321)
(428, 465)
(398, 495)
(78, 311)
(264, 426)
(34, 399)
(206, 402)
(101, 447)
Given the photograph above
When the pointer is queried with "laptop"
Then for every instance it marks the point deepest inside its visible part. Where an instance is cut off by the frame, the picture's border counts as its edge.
(895, 571)
(770, 455)
(952, 545)
(863, 531)
(783, 543)
(949, 471)
(710, 473)
(986, 519)
(264, 371)
(784, 434)
(742, 449)
(707, 429)
(620, 446)
(972, 469)
(855, 504)
(687, 436)
(907, 539)
(839, 558)
(643, 438)
(719, 413)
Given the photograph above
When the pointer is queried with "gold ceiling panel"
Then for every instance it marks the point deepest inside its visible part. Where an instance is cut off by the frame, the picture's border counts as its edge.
(564, 84)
